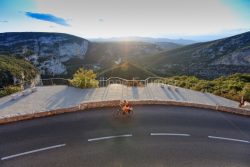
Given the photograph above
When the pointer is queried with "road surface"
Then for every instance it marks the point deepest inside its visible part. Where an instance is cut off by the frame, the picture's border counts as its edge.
(155, 136)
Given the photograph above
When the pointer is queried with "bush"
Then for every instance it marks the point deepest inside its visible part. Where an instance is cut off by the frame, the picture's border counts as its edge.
(9, 90)
(246, 92)
(231, 87)
(84, 79)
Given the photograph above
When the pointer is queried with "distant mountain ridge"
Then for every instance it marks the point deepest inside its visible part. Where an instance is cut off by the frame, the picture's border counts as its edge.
(207, 59)
(107, 54)
(144, 39)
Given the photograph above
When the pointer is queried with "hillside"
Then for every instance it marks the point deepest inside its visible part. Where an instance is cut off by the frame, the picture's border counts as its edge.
(126, 70)
(61, 54)
(106, 54)
(57, 54)
(47, 51)
(13, 70)
(208, 60)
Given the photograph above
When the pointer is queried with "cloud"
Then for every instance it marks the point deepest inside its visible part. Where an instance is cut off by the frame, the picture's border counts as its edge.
(3, 21)
(47, 17)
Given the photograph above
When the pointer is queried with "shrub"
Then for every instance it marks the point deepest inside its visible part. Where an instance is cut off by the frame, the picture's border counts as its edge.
(84, 79)
(246, 92)
(231, 87)
(9, 90)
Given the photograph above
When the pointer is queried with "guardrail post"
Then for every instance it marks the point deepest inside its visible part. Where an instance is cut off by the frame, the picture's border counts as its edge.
(51, 82)
(41, 82)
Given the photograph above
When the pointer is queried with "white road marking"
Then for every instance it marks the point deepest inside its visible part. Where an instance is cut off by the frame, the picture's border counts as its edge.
(230, 139)
(169, 134)
(109, 137)
(33, 151)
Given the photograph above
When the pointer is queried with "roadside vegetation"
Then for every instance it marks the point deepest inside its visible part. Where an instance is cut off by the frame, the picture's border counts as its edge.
(9, 90)
(232, 87)
(84, 79)
(14, 68)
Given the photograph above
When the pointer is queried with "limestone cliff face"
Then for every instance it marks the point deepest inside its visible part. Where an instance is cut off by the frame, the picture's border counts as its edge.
(47, 51)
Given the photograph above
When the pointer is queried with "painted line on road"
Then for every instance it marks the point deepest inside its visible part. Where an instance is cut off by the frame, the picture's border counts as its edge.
(33, 151)
(109, 137)
(230, 139)
(169, 134)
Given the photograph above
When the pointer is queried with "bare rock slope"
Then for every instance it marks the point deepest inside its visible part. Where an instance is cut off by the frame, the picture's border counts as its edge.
(47, 51)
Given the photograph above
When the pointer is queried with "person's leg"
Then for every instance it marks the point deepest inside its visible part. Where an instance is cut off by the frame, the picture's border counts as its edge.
(124, 110)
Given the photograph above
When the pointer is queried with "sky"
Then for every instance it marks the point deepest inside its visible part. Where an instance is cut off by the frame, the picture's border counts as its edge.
(193, 19)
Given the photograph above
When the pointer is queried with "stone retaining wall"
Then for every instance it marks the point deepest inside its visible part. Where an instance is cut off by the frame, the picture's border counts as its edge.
(115, 103)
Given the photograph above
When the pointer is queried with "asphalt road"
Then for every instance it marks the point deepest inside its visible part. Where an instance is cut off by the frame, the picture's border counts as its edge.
(154, 136)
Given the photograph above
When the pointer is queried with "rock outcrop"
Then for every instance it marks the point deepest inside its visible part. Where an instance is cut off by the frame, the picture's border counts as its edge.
(47, 51)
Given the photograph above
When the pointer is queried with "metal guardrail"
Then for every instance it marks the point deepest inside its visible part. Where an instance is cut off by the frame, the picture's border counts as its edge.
(117, 80)
(160, 80)
(106, 82)
(102, 82)
(23, 85)
(29, 85)
(53, 81)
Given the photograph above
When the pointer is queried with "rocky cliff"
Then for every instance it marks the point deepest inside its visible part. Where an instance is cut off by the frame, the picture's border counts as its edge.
(14, 70)
(47, 51)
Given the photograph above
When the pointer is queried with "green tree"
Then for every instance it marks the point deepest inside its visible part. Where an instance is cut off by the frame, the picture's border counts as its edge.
(84, 79)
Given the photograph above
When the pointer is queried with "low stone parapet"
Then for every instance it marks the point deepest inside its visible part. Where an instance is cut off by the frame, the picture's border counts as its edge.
(115, 103)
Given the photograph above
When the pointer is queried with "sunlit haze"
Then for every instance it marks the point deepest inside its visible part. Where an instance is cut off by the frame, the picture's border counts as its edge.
(119, 18)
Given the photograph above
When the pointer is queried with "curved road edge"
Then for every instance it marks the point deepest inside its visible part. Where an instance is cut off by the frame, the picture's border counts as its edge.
(115, 103)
